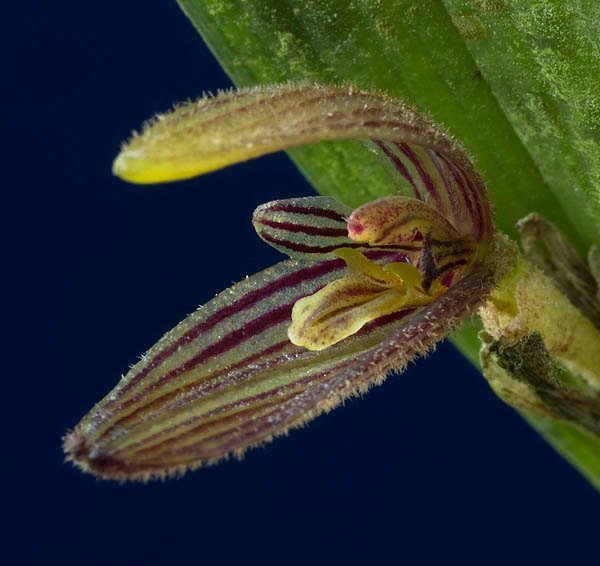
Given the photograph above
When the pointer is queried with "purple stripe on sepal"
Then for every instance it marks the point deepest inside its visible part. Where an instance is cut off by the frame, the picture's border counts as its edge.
(399, 166)
(115, 434)
(467, 195)
(302, 274)
(425, 178)
(313, 211)
(456, 210)
(122, 398)
(304, 229)
(483, 220)
(306, 248)
(227, 343)
(232, 375)
(249, 420)
(174, 400)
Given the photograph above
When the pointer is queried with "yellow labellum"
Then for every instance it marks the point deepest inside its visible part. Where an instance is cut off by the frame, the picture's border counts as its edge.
(367, 293)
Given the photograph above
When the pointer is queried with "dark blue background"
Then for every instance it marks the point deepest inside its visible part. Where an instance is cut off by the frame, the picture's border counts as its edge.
(428, 468)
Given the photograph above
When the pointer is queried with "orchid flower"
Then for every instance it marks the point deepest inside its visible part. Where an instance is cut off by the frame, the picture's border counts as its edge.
(364, 291)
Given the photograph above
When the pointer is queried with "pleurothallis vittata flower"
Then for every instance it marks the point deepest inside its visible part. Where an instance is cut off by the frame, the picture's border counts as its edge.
(365, 292)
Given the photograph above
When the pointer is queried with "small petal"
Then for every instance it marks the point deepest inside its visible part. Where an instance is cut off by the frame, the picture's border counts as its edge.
(310, 227)
(402, 222)
(395, 220)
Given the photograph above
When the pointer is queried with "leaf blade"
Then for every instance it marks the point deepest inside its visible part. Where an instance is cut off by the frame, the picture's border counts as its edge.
(541, 60)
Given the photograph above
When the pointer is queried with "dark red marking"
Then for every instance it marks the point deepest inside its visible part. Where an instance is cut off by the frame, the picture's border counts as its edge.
(288, 280)
(427, 181)
(312, 210)
(400, 167)
(310, 230)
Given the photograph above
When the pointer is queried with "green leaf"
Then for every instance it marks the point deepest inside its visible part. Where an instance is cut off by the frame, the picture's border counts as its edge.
(542, 62)
(580, 448)
(516, 83)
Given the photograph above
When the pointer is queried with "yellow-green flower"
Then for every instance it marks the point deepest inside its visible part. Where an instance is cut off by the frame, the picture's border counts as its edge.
(364, 292)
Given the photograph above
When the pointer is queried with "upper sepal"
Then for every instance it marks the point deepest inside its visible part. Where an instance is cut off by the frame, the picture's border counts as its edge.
(211, 133)
(214, 132)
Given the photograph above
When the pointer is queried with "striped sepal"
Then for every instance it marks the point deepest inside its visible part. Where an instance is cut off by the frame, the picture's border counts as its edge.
(215, 132)
(202, 136)
(454, 189)
(310, 227)
(224, 379)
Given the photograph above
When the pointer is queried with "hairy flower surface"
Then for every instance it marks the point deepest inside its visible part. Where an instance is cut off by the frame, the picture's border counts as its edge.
(364, 292)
